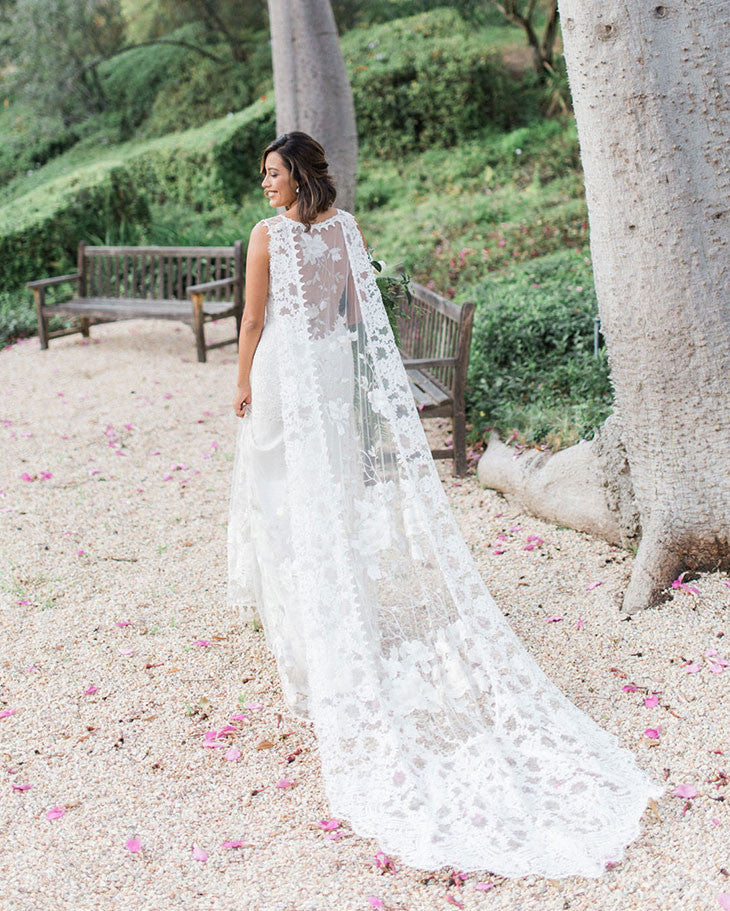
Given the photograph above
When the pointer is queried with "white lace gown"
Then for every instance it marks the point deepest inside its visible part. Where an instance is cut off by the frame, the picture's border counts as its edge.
(439, 735)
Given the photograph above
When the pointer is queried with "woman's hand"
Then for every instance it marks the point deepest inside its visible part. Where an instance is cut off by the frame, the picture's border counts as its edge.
(242, 398)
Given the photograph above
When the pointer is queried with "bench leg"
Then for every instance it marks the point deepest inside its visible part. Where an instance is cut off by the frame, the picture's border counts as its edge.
(459, 439)
(85, 326)
(199, 326)
(39, 295)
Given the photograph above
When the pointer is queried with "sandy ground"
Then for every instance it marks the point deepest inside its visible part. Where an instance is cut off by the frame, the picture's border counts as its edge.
(119, 655)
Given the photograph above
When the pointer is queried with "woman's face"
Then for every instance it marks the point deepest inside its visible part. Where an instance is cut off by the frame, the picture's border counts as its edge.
(278, 184)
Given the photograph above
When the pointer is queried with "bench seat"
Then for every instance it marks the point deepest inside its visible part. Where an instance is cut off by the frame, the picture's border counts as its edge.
(136, 308)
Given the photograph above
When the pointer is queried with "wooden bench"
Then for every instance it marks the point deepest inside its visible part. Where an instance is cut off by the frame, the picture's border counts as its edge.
(191, 284)
(434, 341)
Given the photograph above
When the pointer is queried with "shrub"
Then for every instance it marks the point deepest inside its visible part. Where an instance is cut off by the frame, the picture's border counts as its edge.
(429, 80)
(205, 167)
(532, 366)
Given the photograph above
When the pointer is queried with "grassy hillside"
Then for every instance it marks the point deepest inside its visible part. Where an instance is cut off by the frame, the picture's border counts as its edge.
(460, 178)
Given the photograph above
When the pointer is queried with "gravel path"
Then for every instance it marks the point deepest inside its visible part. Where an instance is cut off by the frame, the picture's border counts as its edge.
(119, 657)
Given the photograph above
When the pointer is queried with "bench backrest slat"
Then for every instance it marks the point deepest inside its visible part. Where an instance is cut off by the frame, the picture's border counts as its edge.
(154, 273)
(429, 327)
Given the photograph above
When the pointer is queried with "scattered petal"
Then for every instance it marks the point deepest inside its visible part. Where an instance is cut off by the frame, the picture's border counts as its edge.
(651, 701)
(6, 713)
(685, 790)
(232, 755)
(652, 733)
(90, 690)
(376, 902)
(329, 824)
(724, 899)
(593, 585)
(201, 642)
(484, 886)
(630, 688)
(233, 844)
(22, 787)
(579, 624)
(284, 783)
(55, 812)
(134, 845)
(692, 668)
(453, 901)
(254, 706)
(199, 854)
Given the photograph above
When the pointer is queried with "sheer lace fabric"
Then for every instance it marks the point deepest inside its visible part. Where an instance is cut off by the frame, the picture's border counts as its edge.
(438, 733)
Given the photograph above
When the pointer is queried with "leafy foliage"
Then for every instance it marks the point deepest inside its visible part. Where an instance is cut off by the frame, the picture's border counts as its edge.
(532, 366)
(428, 80)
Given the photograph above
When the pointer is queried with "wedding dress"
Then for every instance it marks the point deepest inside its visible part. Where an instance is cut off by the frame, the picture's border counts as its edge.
(439, 735)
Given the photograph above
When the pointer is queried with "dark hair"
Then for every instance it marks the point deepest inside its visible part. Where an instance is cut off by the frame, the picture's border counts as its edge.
(305, 161)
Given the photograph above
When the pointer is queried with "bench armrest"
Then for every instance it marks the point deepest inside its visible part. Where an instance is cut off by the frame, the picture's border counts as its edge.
(47, 282)
(210, 286)
(429, 362)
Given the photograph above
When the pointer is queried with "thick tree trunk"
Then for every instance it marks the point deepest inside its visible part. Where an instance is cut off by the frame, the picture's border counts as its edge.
(311, 85)
(650, 91)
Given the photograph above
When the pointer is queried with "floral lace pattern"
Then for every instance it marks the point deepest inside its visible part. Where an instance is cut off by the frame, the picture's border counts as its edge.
(439, 735)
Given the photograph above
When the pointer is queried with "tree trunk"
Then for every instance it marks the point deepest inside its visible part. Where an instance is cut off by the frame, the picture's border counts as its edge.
(650, 91)
(311, 85)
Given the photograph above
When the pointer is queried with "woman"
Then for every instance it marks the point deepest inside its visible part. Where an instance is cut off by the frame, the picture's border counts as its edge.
(438, 733)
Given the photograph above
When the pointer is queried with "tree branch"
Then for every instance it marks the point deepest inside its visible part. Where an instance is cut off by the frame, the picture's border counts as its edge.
(130, 47)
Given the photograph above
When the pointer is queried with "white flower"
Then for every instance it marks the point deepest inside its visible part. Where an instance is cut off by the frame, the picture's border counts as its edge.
(312, 248)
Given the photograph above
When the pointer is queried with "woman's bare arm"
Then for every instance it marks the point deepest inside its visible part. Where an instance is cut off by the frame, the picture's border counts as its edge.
(252, 324)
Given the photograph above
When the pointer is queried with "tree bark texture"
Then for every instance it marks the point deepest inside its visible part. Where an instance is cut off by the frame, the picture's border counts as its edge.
(650, 88)
(311, 85)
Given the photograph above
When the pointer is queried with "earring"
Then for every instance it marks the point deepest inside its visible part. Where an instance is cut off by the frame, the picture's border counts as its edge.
(297, 189)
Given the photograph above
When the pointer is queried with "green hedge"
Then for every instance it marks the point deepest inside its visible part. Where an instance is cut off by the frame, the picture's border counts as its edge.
(430, 80)
(107, 196)
(532, 366)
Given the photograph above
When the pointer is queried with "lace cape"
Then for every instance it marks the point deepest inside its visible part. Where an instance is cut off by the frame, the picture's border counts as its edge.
(439, 735)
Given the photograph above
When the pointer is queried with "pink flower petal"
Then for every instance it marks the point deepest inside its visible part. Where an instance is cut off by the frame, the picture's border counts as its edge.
(284, 783)
(692, 668)
(201, 642)
(630, 688)
(652, 733)
(124, 622)
(6, 713)
(225, 731)
(593, 585)
(453, 901)
(233, 844)
(579, 624)
(239, 717)
(232, 755)
(724, 899)
(55, 812)
(375, 902)
(199, 854)
(717, 669)
(126, 651)
(484, 886)
(254, 706)
(90, 690)
(651, 701)
(22, 787)
(685, 790)
(134, 845)
(329, 824)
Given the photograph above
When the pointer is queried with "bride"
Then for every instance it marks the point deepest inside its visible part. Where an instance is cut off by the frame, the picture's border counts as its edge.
(439, 735)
